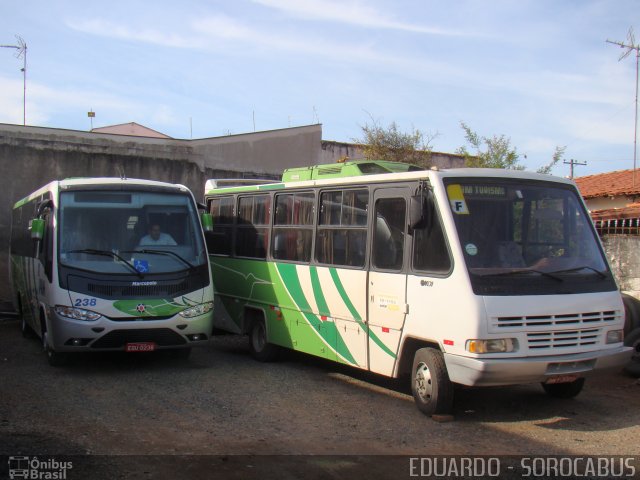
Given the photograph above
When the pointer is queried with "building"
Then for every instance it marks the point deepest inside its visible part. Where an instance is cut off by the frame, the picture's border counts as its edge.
(613, 200)
(131, 128)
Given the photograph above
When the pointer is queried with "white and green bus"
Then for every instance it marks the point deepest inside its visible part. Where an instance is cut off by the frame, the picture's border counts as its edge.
(476, 277)
(111, 264)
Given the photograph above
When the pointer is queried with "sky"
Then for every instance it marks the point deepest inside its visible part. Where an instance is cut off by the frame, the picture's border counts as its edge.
(539, 72)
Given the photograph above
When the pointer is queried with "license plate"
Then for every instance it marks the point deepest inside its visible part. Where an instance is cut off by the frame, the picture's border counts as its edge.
(140, 347)
(562, 379)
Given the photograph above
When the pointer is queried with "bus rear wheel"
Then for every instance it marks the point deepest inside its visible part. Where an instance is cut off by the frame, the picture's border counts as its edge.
(564, 390)
(25, 328)
(259, 345)
(432, 390)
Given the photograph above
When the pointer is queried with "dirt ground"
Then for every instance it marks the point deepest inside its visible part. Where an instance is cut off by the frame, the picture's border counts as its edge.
(277, 420)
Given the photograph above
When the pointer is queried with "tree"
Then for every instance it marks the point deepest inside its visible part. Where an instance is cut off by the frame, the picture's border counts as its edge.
(494, 152)
(557, 156)
(389, 143)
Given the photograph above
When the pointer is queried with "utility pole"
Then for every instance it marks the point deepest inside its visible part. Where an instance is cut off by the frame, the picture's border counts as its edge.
(631, 45)
(573, 162)
(21, 48)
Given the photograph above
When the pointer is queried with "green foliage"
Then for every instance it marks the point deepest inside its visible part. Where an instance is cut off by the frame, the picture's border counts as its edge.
(389, 143)
(494, 152)
(557, 156)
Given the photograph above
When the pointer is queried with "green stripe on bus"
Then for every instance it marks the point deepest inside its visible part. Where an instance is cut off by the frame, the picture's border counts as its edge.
(323, 308)
(354, 312)
(289, 275)
(271, 186)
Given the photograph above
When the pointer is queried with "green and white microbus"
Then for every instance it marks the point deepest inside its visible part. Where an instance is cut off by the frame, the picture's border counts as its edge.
(466, 276)
(111, 264)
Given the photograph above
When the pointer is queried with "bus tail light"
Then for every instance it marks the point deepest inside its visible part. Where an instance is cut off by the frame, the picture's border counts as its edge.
(495, 345)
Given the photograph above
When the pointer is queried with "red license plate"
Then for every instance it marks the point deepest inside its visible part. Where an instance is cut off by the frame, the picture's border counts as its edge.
(140, 347)
(562, 379)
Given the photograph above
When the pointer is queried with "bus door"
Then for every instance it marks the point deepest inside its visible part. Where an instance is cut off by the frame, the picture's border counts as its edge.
(387, 285)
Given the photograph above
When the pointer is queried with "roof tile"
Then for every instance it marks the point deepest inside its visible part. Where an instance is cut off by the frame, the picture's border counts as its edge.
(609, 184)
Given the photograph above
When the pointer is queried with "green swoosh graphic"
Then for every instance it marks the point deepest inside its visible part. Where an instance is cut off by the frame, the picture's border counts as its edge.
(356, 315)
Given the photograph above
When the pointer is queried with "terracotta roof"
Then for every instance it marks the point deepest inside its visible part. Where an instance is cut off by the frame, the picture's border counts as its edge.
(609, 184)
(131, 128)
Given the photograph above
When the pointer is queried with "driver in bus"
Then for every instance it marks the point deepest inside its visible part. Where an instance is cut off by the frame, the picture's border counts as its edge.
(156, 237)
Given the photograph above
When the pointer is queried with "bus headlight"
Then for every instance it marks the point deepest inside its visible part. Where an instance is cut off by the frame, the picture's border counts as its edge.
(197, 310)
(496, 345)
(614, 336)
(77, 313)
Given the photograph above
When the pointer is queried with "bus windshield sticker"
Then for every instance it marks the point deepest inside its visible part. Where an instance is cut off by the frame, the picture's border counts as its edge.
(471, 249)
(456, 199)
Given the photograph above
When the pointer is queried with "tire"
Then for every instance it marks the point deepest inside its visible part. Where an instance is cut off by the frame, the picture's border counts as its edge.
(564, 390)
(430, 385)
(633, 340)
(631, 313)
(26, 330)
(55, 359)
(259, 346)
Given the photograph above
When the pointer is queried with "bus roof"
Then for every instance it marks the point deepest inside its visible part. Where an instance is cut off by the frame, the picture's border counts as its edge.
(116, 182)
(346, 169)
(396, 177)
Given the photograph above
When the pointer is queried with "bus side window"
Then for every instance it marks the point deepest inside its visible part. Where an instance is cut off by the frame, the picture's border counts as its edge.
(219, 238)
(388, 242)
(430, 253)
(342, 228)
(293, 227)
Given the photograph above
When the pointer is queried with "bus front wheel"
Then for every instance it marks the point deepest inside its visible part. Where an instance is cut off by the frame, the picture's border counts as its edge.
(55, 359)
(259, 345)
(432, 390)
(564, 390)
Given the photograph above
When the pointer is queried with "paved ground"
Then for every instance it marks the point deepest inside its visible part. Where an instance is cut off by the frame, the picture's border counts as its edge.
(222, 402)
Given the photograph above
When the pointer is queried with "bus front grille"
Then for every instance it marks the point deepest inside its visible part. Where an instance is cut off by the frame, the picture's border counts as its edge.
(126, 291)
(563, 339)
(561, 320)
(163, 337)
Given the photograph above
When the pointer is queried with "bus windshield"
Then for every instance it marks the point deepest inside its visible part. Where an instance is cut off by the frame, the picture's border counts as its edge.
(129, 232)
(533, 237)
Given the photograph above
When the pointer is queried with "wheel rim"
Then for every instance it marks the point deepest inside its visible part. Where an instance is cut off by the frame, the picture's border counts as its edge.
(423, 383)
(258, 338)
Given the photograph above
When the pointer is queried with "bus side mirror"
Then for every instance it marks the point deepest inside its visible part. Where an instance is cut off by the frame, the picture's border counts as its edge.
(37, 229)
(421, 211)
(206, 219)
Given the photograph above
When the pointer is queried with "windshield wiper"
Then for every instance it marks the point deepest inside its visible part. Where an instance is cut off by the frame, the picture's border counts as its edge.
(107, 253)
(163, 252)
(584, 267)
(524, 270)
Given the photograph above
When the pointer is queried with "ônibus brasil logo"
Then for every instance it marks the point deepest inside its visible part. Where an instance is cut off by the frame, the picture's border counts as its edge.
(34, 468)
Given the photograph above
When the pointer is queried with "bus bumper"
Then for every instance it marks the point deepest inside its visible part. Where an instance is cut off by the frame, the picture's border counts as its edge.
(68, 335)
(514, 371)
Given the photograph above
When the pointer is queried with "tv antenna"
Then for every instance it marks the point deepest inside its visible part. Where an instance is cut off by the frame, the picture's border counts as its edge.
(630, 46)
(21, 52)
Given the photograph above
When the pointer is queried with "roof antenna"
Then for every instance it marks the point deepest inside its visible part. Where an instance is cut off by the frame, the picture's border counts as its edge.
(120, 171)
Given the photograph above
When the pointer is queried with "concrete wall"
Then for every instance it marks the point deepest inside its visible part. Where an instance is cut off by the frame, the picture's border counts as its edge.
(622, 253)
(332, 151)
(32, 156)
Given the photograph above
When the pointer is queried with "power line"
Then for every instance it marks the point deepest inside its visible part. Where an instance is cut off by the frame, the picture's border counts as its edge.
(573, 162)
(631, 45)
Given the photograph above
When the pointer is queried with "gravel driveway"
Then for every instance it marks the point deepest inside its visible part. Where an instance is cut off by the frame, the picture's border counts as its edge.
(222, 402)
